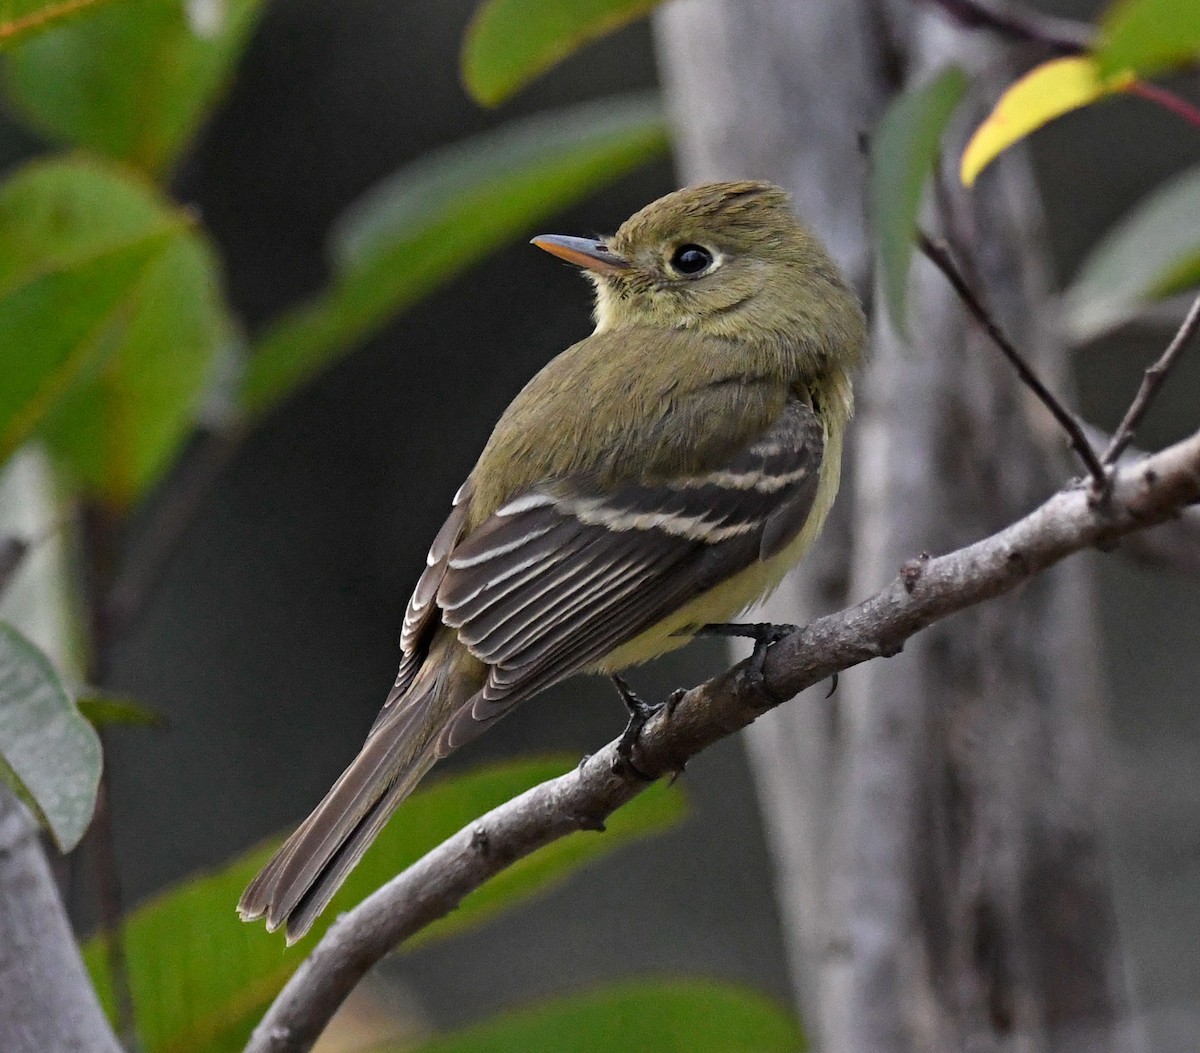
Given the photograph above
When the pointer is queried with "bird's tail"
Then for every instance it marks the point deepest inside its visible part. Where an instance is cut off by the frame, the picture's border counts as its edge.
(300, 879)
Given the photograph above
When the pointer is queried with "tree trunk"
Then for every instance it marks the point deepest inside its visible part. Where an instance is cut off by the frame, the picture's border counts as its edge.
(46, 999)
(47, 1002)
(941, 875)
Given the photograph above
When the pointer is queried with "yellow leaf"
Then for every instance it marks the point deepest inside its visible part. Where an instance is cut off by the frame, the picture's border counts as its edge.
(1044, 93)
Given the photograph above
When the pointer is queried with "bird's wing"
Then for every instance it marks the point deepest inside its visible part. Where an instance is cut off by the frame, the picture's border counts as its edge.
(561, 575)
(420, 617)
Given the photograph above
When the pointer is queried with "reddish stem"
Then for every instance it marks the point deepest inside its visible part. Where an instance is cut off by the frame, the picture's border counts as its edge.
(1166, 99)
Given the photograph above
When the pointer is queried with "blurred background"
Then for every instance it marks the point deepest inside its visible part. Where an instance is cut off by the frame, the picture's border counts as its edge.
(273, 635)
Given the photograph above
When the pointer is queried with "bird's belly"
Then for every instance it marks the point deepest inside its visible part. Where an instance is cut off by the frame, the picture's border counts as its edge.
(736, 593)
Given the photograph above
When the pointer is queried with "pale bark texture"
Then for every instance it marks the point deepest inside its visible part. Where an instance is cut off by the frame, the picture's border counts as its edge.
(46, 999)
(941, 871)
(47, 1002)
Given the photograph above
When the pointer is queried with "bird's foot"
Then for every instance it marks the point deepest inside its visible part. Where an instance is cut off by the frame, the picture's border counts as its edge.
(764, 634)
(640, 713)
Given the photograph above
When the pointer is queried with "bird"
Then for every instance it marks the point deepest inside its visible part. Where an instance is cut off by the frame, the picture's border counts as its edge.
(658, 476)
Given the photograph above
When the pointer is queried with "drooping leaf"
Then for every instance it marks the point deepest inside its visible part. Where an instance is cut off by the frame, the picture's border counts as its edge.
(20, 19)
(1044, 93)
(1150, 253)
(134, 81)
(48, 753)
(110, 302)
(1148, 36)
(906, 148)
(432, 220)
(666, 1016)
(107, 708)
(510, 42)
(201, 978)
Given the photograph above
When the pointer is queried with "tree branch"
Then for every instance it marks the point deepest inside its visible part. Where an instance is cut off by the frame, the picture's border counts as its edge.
(46, 999)
(1172, 546)
(939, 255)
(12, 553)
(172, 516)
(926, 590)
(1151, 382)
(1060, 35)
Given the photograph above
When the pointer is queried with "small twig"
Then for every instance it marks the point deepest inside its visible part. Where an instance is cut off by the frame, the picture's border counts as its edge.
(953, 222)
(1147, 493)
(108, 887)
(1174, 545)
(1060, 35)
(137, 579)
(939, 256)
(102, 526)
(1152, 380)
(1168, 100)
(14, 549)
(12, 554)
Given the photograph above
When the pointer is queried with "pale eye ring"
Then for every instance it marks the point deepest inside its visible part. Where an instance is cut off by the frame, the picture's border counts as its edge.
(691, 260)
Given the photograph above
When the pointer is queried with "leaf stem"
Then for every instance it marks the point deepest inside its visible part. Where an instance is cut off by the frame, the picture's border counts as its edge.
(939, 255)
(1168, 100)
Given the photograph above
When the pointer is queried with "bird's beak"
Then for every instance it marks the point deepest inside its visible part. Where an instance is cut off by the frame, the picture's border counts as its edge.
(583, 252)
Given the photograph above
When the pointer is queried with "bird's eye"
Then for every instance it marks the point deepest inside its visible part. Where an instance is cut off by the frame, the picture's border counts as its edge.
(691, 259)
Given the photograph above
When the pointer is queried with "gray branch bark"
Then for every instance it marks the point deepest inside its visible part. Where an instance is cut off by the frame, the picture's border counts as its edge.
(46, 998)
(47, 1002)
(934, 823)
(927, 591)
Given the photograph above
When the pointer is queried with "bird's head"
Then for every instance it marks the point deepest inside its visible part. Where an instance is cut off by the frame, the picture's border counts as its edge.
(727, 259)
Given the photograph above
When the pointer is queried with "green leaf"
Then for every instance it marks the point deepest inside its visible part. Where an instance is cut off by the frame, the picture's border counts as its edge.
(906, 147)
(1148, 36)
(1150, 253)
(106, 708)
(510, 42)
(432, 220)
(135, 81)
(666, 1016)
(114, 304)
(201, 978)
(20, 19)
(48, 753)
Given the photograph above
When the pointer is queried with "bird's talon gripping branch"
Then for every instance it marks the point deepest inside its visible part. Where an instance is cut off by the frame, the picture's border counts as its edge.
(640, 714)
(764, 635)
(833, 683)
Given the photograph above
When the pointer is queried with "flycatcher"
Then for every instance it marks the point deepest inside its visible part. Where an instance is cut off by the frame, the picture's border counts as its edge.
(660, 475)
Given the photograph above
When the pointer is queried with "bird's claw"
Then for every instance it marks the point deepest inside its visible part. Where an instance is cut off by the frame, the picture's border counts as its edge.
(640, 714)
(764, 634)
